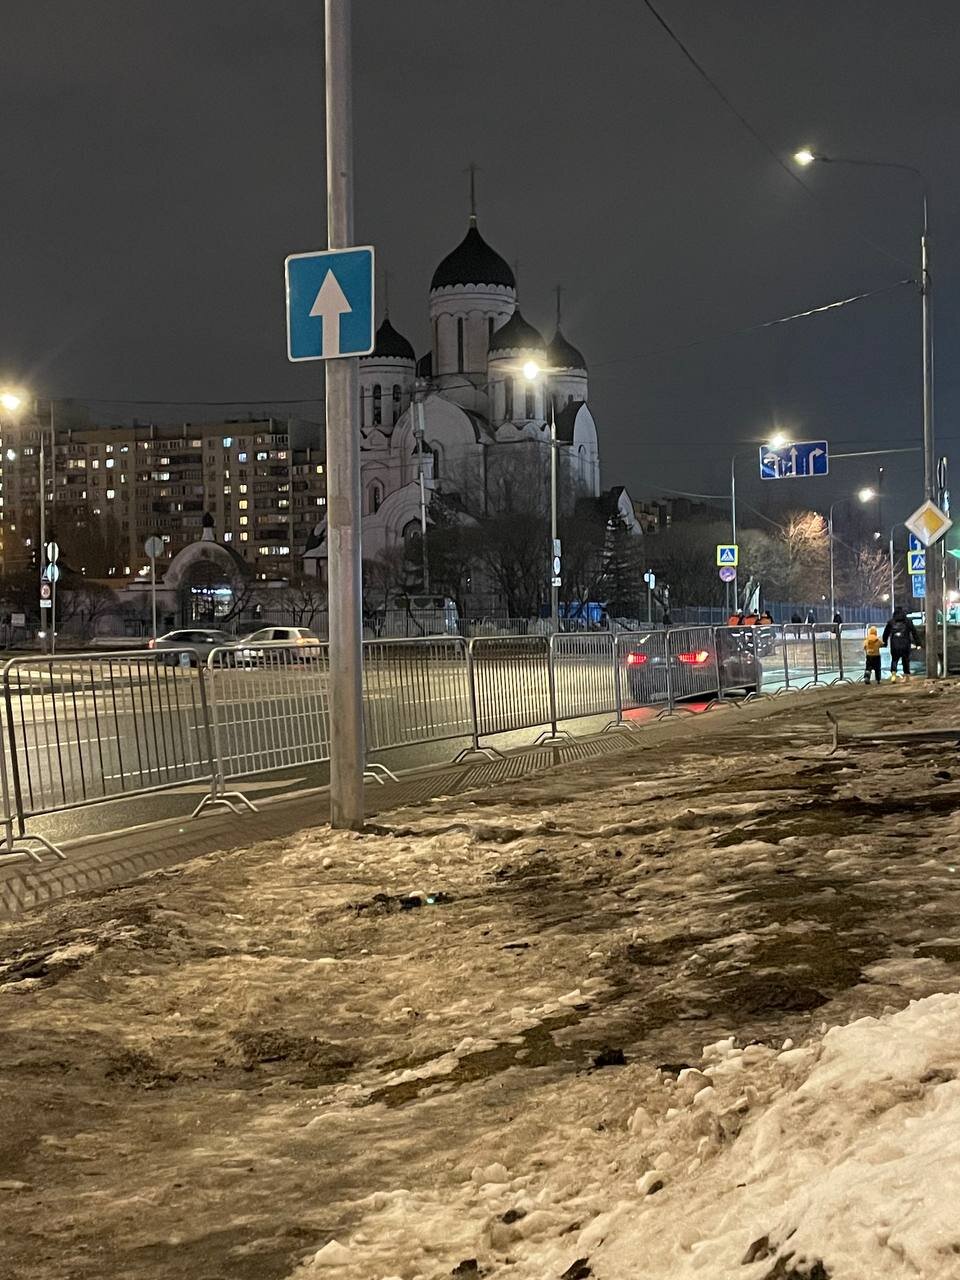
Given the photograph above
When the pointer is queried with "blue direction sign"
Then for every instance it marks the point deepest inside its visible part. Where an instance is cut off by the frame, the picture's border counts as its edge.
(917, 562)
(330, 304)
(802, 458)
(919, 587)
(915, 543)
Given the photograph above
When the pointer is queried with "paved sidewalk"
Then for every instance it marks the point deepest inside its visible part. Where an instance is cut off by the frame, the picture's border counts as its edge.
(100, 862)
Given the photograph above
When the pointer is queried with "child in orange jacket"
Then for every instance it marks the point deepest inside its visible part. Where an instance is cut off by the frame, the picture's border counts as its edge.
(871, 647)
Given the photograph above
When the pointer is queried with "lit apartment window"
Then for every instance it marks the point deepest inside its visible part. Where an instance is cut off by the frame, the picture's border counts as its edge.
(111, 493)
(196, 444)
(244, 536)
(110, 462)
(244, 520)
(164, 462)
(228, 537)
(241, 457)
(243, 488)
(321, 502)
(320, 469)
(228, 488)
(109, 448)
(227, 441)
(243, 504)
(262, 456)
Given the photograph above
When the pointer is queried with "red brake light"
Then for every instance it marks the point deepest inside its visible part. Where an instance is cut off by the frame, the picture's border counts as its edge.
(636, 659)
(694, 659)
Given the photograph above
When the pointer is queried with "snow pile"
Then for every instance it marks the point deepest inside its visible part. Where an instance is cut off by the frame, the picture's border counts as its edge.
(835, 1161)
(851, 1171)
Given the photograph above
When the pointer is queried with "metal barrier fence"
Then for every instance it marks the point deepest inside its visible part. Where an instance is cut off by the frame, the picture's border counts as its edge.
(81, 729)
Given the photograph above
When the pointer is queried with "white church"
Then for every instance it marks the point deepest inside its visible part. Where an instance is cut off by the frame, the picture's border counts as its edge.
(464, 414)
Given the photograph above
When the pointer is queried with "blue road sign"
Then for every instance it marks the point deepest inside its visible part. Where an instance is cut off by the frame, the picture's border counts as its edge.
(330, 304)
(919, 586)
(915, 543)
(801, 458)
(728, 554)
(916, 562)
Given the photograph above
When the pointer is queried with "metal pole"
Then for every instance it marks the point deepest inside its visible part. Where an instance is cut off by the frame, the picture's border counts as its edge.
(343, 457)
(833, 602)
(153, 595)
(424, 557)
(930, 602)
(733, 525)
(42, 551)
(554, 590)
(893, 576)
(53, 529)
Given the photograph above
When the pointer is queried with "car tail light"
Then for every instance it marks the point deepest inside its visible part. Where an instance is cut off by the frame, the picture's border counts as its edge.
(696, 659)
(636, 659)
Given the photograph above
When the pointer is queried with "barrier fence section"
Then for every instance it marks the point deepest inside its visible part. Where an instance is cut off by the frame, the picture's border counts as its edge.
(642, 669)
(269, 708)
(87, 729)
(512, 685)
(585, 674)
(416, 691)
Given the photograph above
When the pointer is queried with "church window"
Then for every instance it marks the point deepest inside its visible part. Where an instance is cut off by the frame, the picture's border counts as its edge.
(529, 405)
(508, 399)
(460, 346)
(396, 401)
(377, 409)
(569, 399)
(376, 498)
(490, 324)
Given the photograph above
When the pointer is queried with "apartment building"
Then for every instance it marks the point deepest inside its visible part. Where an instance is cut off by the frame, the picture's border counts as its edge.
(108, 489)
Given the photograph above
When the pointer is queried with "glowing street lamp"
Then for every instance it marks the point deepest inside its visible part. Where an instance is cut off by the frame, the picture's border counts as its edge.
(11, 401)
(804, 157)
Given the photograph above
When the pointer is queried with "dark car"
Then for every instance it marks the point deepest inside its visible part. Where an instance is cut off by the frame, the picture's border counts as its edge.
(200, 640)
(698, 668)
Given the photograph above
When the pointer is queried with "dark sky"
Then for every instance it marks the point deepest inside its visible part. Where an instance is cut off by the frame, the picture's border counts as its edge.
(161, 157)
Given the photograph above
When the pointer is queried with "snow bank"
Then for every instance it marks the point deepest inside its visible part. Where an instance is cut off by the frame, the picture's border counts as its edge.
(833, 1161)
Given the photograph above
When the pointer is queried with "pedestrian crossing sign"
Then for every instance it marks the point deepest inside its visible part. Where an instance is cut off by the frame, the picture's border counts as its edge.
(728, 555)
(917, 561)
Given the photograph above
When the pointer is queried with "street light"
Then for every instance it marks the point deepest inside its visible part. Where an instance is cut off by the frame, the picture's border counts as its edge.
(10, 401)
(864, 495)
(531, 371)
(805, 157)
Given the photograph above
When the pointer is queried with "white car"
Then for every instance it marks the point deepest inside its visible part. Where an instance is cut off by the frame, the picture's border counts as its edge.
(256, 646)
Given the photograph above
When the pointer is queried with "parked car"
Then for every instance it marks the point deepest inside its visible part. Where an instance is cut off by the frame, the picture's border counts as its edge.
(694, 671)
(199, 640)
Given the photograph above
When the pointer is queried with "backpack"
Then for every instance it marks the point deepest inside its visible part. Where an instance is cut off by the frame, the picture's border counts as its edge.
(900, 629)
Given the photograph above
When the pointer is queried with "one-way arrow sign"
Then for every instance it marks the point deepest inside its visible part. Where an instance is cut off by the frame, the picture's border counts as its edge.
(330, 304)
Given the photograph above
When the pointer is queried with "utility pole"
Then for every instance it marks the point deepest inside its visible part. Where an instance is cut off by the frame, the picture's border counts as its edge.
(554, 589)
(418, 432)
(343, 457)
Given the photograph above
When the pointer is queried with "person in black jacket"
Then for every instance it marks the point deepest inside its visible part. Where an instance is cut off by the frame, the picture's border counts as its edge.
(900, 634)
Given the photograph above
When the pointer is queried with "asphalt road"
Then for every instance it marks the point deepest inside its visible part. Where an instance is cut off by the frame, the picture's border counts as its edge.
(89, 733)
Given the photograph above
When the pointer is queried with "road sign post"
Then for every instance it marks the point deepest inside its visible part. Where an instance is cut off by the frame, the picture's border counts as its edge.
(153, 547)
(343, 456)
(52, 573)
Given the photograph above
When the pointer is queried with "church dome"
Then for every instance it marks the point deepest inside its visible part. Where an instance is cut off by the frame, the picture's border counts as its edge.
(473, 262)
(516, 335)
(390, 345)
(562, 354)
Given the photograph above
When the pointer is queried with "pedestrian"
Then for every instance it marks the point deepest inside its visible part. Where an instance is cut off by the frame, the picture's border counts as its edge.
(900, 634)
(766, 618)
(811, 618)
(667, 620)
(797, 621)
(871, 647)
(837, 620)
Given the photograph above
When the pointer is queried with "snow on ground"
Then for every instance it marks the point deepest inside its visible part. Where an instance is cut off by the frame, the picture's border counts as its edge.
(471, 1042)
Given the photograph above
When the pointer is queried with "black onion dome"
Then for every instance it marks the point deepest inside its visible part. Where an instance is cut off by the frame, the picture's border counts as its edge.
(562, 354)
(473, 262)
(516, 335)
(390, 345)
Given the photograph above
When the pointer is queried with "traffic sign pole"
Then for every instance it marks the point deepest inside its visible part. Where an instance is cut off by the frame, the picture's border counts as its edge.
(343, 457)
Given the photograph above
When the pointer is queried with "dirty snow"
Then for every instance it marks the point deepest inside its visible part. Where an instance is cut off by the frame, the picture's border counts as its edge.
(472, 1042)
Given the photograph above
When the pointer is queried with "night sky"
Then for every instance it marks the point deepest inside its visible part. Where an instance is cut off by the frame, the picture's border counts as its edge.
(161, 157)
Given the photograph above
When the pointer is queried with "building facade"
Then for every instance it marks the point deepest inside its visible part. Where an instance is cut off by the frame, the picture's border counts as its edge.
(108, 489)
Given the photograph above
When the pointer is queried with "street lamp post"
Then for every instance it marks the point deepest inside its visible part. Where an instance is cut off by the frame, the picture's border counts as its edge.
(776, 442)
(807, 156)
(865, 495)
(531, 371)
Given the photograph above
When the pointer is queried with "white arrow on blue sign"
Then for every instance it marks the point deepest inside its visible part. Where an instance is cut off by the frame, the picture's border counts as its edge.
(330, 304)
(801, 458)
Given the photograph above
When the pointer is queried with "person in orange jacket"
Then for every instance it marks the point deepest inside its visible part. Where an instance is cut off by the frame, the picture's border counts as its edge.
(871, 647)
